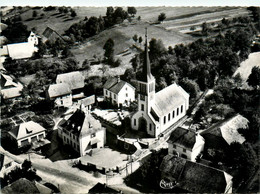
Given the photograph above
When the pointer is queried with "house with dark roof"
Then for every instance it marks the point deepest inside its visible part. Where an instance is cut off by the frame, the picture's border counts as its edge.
(74, 79)
(118, 92)
(194, 177)
(51, 35)
(23, 185)
(82, 132)
(10, 88)
(60, 93)
(103, 188)
(27, 133)
(157, 111)
(185, 143)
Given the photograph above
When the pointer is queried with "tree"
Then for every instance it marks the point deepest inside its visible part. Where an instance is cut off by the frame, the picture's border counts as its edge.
(135, 61)
(190, 86)
(34, 14)
(157, 48)
(140, 39)
(161, 17)
(205, 29)
(254, 78)
(86, 64)
(109, 49)
(26, 165)
(119, 15)
(110, 11)
(132, 11)
(73, 13)
(135, 37)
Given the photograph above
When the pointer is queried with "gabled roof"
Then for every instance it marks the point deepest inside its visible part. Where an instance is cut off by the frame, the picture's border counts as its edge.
(56, 90)
(194, 177)
(21, 50)
(47, 32)
(168, 99)
(115, 85)
(10, 88)
(227, 129)
(20, 186)
(81, 124)
(183, 137)
(87, 101)
(74, 79)
(26, 129)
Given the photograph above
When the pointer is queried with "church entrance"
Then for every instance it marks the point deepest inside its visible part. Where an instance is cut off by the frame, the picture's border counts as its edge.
(142, 125)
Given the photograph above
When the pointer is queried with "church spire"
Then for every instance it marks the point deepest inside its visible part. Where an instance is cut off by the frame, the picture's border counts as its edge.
(146, 72)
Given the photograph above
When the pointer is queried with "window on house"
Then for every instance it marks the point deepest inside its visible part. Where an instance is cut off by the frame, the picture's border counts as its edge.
(126, 95)
(177, 111)
(106, 92)
(125, 88)
(169, 117)
(150, 127)
(114, 96)
(93, 135)
(142, 107)
(174, 146)
(181, 108)
(142, 97)
(64, 139)
(184, 150)
(134, 122)
(164, 119)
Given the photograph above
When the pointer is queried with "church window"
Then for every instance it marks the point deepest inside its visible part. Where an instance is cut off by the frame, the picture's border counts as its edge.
(169, 116)
(134, 122)
(142, 107)
(173, 112)
(126, 95)
(142, 88)
(181, 108)
(150, 127)
(177, 111)
(164, 119)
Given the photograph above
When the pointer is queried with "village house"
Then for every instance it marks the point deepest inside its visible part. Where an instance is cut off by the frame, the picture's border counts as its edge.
(118, 92)
(86, 103)
(10, 88)
(185, 143)
(81, 131)
(157, 111)
(74, 79)
(6, 165)
(194, 177)
(21, 50)
(50, 35)
(219, 136)
(60, 93)
(27, 133)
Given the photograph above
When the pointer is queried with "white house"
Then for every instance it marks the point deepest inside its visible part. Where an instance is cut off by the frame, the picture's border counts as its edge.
(185, 143)
(118, 92)
(86, 103)
(82, 132)
(157, 111)
(21, 50)
(27, 133)
(9, 87)
(61, 94)
(7, 164)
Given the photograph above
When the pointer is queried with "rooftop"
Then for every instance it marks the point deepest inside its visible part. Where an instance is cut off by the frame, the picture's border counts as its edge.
(56, 90)
(74, 79)
(194, 177)
(87, 101)
(115, 85)
(168, 99)
(183, 137)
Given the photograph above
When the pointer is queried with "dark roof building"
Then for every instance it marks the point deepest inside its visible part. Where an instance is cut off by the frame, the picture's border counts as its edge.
(115, 85)
(103, 188)
(194, 177)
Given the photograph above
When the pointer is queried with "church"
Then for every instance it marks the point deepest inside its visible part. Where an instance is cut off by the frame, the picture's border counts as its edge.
(157, 111)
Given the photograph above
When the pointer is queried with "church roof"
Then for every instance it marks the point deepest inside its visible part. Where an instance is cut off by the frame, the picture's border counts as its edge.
(183, 137)
(168, 99)
(21, 50)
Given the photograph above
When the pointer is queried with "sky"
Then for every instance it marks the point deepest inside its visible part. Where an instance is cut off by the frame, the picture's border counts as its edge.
(98, 3)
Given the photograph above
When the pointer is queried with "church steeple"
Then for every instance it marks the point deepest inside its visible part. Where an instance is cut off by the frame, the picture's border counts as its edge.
(146, 72)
